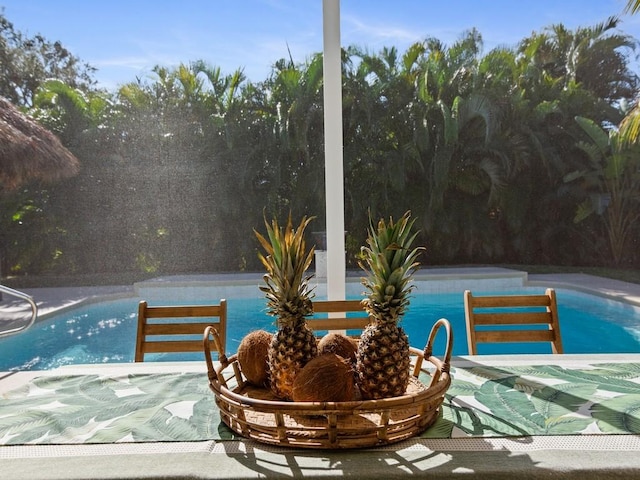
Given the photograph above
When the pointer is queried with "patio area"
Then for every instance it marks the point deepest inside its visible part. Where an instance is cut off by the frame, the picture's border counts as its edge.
(489, 451)
(471, 439)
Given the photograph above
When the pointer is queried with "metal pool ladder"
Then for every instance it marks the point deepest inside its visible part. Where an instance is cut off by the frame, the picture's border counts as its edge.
(34, 311)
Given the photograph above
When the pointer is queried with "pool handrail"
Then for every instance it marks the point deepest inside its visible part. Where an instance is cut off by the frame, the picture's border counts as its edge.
(34, 311)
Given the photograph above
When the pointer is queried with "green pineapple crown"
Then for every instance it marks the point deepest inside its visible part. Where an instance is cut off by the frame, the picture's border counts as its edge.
(389, 263)
(286, 260)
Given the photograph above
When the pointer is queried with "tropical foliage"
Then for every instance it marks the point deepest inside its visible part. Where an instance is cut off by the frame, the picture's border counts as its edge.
(610, 186)
(26, 61)
(633, 6)
(483, 147)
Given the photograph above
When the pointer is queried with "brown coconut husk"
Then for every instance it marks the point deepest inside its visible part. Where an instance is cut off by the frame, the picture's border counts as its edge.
(252, 357)
(325, 378)
(339, 344)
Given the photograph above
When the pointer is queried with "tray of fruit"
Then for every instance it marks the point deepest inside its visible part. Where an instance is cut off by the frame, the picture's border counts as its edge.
(252, 409)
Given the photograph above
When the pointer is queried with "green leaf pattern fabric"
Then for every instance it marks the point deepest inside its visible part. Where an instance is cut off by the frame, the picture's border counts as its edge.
(108, 409)
(482, 401)
(542, 400)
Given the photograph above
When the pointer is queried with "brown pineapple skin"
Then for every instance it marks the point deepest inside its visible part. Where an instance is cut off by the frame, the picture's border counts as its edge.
(292, 347)
(383, 361)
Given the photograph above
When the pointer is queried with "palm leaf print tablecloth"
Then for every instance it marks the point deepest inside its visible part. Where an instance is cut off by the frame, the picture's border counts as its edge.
(482, 401)
(541, 400)
(107, 409)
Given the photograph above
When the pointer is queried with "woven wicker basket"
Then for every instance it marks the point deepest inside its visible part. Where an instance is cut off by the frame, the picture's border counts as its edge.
(255, 413)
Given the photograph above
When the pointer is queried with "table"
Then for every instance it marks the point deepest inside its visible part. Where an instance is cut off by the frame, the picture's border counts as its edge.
(495, 456)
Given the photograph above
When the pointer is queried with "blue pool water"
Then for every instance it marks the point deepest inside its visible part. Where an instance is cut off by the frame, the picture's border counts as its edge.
(105, 332)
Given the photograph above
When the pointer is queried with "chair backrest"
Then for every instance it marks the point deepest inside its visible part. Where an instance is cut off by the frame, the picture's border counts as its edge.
(338, 315)
(186, 335)
(512, 318)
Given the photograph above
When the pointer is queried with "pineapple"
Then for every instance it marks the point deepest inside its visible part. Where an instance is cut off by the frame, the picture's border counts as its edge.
(382, 364)
(289, 300)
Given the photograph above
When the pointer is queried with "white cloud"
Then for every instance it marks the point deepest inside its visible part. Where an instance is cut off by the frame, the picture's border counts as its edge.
(359, 28)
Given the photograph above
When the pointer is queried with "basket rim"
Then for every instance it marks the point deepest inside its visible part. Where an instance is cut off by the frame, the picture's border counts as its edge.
(440, 381)
(435, 390)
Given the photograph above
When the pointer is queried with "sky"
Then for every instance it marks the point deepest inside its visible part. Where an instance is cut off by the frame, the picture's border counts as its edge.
(125, 39)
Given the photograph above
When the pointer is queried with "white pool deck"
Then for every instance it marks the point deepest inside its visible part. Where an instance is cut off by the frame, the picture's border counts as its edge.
(568, 457)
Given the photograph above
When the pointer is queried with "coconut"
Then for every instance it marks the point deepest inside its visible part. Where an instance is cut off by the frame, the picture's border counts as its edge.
(325, 378)
(252, 357)
(339, 344)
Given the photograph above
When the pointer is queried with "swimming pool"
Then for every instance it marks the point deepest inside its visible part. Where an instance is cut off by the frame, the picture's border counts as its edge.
(105, 332)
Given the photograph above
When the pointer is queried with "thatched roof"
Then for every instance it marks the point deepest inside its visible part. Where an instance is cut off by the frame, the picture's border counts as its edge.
(28, 151)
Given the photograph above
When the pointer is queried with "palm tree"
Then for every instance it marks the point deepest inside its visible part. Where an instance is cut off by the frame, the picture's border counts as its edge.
(610, 186)
(380, 118)
(178, 129)
(67, 212)
(558, 77)
(465, 152)
(630, 125)
(594, 57)
(72, 113)
(633, 6)
(294, 168)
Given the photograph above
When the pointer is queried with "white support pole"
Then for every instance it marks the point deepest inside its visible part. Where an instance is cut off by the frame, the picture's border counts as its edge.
(333, 164)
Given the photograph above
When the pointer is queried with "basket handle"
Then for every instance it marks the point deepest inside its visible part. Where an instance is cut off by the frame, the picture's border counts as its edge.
(445, 364)
(211, 331)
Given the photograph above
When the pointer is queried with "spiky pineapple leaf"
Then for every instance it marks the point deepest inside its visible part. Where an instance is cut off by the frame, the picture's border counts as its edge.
(389, 263)
(286, 260)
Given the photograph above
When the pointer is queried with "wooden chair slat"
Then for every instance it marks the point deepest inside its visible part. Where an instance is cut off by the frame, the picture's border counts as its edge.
(325, 306)
(511, 301)
(523, 336)
(352, 316)
(507, 310)
(513, 318)
(338, 323)
(177, 328)
(195, 319)
(176, 346)
(184, 311)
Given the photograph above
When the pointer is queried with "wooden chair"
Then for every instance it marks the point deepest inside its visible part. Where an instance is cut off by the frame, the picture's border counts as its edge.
(187, 335)
(339, 315)
(498, 315)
